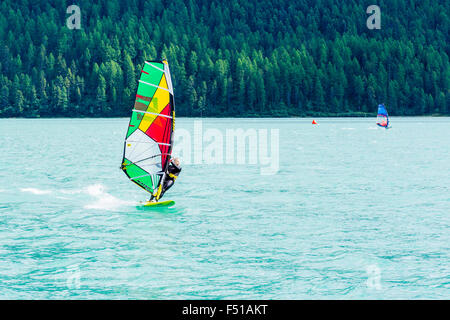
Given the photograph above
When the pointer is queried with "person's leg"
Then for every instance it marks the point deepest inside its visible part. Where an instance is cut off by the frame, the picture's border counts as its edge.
(167, 185)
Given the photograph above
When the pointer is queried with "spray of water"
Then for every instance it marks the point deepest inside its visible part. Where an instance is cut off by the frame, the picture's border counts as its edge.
(36, 191)
(102, 199)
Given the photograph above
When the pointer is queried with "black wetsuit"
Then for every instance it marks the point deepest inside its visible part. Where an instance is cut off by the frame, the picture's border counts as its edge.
(172, 173)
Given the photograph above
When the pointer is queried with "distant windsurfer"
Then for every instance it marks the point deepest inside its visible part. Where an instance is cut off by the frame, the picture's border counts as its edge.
(169, 177)
(383, 120)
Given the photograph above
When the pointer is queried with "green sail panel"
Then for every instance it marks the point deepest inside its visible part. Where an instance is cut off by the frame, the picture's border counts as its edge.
(140, 176)
(134, 122)
(145, 90)
(151, 75)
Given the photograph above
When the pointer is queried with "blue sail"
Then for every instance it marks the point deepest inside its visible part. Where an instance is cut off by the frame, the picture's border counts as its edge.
(382, 116)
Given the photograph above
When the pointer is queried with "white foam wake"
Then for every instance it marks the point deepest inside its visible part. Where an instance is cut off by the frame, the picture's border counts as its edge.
(35, 191)
(104, 200)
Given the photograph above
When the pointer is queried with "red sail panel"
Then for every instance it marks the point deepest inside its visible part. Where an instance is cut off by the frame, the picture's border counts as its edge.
(160, 131)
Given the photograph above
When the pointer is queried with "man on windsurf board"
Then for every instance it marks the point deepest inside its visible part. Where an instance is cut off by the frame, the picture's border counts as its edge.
(168, 179)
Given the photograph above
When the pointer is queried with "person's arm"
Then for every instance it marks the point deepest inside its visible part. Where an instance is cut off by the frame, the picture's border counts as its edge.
(174, 176)
(173, 171)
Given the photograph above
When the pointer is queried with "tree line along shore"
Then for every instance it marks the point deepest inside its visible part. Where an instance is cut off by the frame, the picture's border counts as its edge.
(227, 59)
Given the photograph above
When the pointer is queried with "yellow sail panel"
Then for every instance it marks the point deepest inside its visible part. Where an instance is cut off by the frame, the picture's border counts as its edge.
(147, 121)
(163, 82)
(160, 100)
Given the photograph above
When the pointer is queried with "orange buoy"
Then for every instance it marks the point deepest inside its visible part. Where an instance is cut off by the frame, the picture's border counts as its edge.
(314, 122)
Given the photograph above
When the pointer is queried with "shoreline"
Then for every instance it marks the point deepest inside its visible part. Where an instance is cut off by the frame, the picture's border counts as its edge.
(242, 117)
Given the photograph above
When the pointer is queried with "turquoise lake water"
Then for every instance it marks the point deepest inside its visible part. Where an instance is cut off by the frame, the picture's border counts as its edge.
(354, 212)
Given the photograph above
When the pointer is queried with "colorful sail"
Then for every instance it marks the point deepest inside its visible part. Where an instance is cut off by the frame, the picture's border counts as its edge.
(148, 143)
(382, 117)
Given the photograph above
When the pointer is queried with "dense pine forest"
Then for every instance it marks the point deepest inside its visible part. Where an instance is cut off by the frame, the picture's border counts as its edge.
(228, 58)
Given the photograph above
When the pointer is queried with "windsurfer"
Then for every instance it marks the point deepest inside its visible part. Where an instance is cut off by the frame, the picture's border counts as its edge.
(173, 170)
